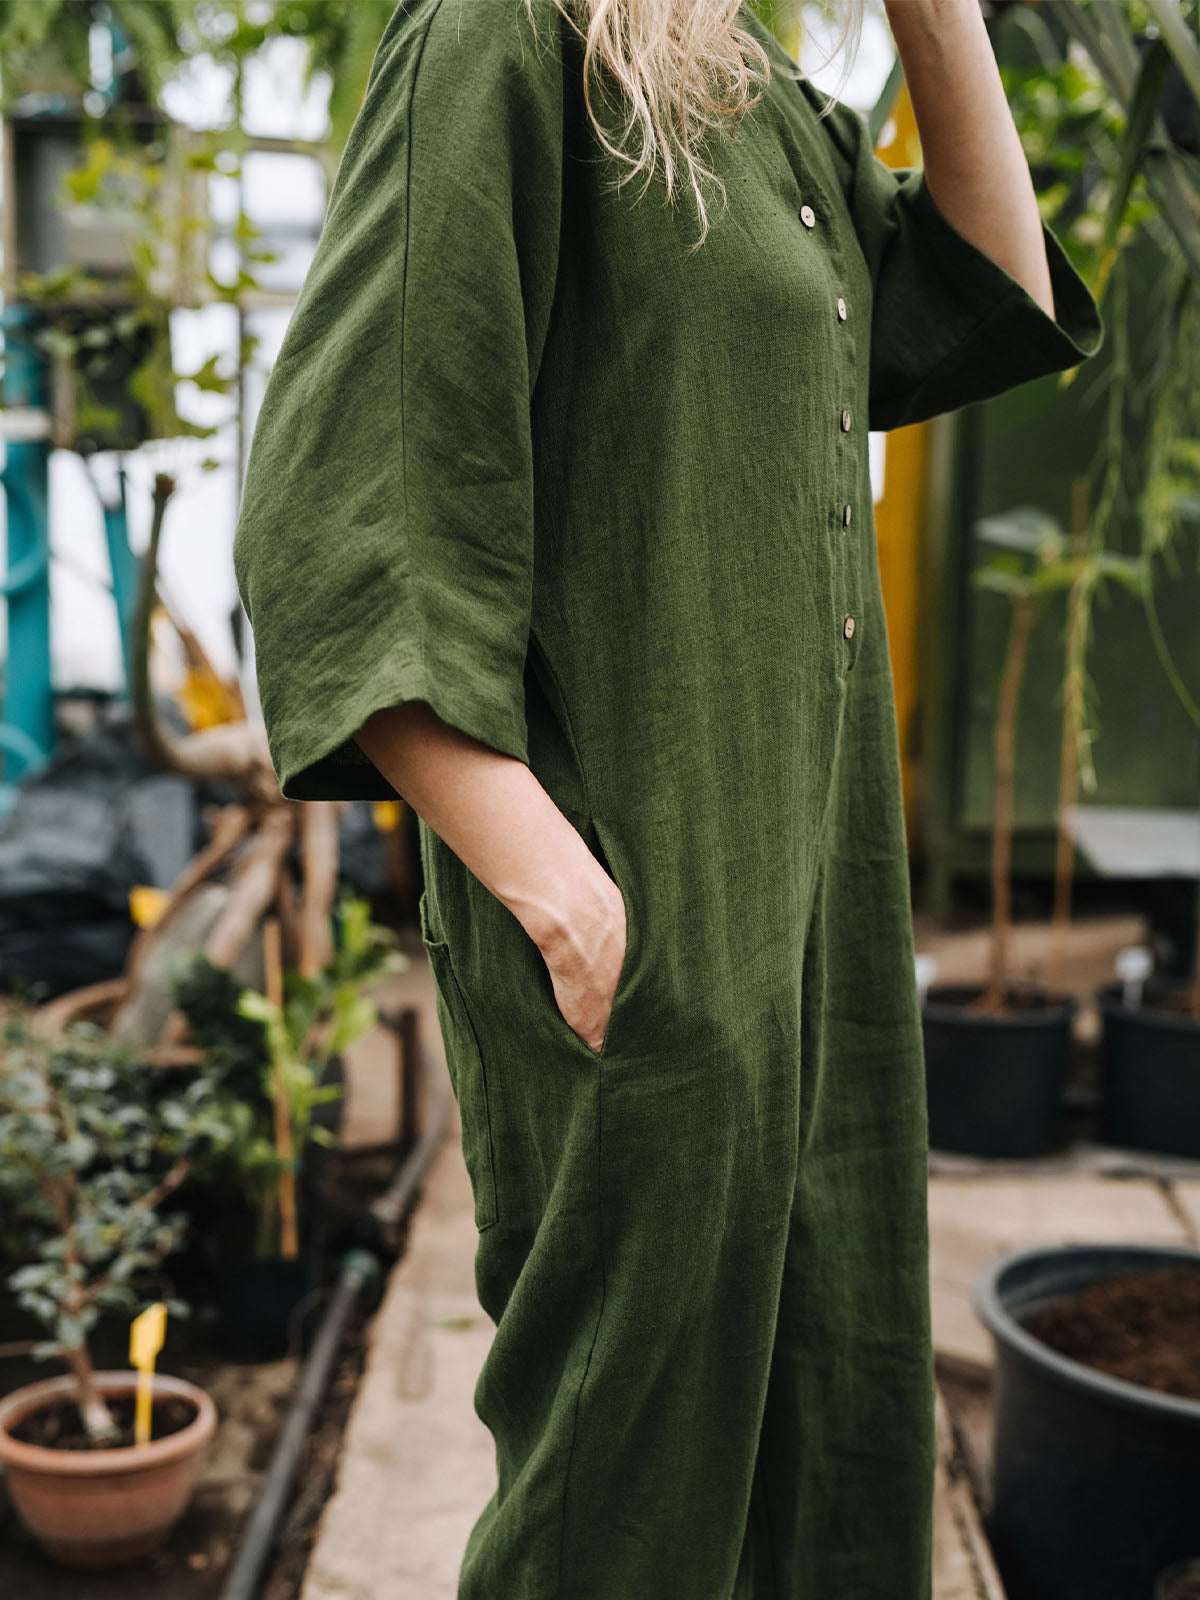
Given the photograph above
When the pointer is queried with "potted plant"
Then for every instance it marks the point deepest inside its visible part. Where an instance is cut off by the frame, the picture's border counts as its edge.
(1017, 1034)
(1150, 1065)
(278, 1060)
(1126, 100)
(995, 1053)
(1116, 101)
(1096, 1443)
(89, 1160)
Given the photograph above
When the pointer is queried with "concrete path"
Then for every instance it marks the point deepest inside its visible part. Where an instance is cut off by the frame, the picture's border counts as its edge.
(417, 1465)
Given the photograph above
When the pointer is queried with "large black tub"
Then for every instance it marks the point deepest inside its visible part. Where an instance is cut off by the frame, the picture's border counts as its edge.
(1095, 1481)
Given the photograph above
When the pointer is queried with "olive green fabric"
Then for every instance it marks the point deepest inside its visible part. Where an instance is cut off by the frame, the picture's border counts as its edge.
(604, 501)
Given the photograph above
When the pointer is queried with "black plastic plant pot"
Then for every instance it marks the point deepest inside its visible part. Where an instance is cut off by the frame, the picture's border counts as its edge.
(1180, 1581)
(1150, 1074)
(994, 1081)
(261, 1305)
(1095, 1481)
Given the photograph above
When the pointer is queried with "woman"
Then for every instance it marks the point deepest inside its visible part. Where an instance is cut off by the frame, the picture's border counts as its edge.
(558, 524)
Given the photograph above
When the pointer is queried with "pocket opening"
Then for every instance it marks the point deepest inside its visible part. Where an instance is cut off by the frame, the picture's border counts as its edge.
(604, 856)
(468, 1074)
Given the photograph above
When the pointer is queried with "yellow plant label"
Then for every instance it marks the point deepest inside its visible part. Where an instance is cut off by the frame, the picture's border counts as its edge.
(146, 1334)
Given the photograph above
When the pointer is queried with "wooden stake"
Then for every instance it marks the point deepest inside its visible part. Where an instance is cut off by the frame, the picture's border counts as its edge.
(289, 1237)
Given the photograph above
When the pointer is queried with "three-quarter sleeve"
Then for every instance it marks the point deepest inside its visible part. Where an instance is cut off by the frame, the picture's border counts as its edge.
(949, 325)
(384, 547)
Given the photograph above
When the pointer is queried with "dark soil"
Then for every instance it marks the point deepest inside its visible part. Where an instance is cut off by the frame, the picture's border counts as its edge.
(60, 1427)
(1175, 1003)
(1185, 1587)
(1017, 1000)
(1143, 1327)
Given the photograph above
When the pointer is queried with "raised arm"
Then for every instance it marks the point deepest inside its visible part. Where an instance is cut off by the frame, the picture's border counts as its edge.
(975, 168)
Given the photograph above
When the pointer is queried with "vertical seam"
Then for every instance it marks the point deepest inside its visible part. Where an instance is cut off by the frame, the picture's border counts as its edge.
(596, 1330)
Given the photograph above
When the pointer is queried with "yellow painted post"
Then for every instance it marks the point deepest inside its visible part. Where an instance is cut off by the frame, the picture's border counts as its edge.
(898, 516)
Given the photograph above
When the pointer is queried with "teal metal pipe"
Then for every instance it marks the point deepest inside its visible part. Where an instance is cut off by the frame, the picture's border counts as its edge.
(124, 567)
(27, 729)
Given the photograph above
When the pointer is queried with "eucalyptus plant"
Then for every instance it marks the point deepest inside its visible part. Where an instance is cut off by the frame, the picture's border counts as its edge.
(92, 1144)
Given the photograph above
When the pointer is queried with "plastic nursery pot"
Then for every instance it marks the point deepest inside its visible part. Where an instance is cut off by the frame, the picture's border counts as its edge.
(1180, 1581)
(100, 1508)
(259, 1299)
(1150, 1074)
(994, 1082)
(1095, 1481)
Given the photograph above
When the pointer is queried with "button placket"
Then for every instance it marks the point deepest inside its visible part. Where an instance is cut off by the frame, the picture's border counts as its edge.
(842, 313)
(849, 624)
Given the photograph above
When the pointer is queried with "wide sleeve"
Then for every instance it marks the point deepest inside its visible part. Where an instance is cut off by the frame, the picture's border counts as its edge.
(949, 325)
(384, 547)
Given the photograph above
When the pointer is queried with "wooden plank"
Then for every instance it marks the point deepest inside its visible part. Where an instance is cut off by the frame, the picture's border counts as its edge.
(963, 1568)
(969, 1403)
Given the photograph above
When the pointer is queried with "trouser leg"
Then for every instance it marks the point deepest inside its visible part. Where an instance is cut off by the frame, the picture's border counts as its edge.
(634, 1274)
(847, 1448)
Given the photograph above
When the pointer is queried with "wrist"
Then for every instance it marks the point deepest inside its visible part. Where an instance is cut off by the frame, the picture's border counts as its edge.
(929, 20)
(560, 896)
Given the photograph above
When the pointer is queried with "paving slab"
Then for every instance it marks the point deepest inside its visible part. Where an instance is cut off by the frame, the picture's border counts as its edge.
(417, 1465)
(1186, 1194)
(972, 1220)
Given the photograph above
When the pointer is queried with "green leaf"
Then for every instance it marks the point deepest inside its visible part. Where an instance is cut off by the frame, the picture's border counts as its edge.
(1143, 111)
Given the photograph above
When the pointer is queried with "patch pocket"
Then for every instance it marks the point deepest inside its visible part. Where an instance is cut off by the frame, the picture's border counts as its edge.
(468, 1076)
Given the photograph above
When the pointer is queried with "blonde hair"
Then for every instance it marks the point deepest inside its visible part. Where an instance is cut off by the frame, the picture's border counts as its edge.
(682, 68)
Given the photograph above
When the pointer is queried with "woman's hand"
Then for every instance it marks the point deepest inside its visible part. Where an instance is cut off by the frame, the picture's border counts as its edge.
(585, 953)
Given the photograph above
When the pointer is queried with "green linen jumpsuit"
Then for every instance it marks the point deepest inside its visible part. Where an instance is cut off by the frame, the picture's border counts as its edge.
(604, 502)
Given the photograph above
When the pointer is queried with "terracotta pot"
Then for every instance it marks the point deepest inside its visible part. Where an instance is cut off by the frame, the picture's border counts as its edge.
(99, 1508)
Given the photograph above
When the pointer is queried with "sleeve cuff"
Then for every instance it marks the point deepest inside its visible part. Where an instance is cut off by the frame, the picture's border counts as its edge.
(317, 759)
(1036, 343)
